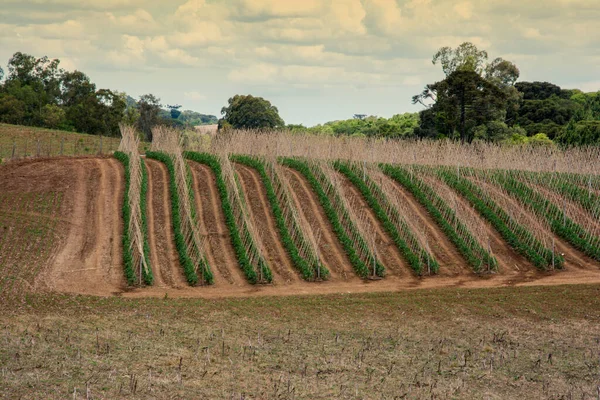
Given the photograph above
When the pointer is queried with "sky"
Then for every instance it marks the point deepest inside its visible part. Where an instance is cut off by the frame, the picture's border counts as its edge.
(316, 60)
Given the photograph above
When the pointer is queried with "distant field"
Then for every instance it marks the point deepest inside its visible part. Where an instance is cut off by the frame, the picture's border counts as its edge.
(25, 141)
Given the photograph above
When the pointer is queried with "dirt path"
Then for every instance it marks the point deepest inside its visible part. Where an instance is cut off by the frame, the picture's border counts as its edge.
(332, 252)
(259, 207)
(449, 258)
(212, 225)
(165, 260)
(91, 260)
(387, 252)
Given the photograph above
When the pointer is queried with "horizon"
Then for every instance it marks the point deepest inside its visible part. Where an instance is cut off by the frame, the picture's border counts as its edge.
(316, 61)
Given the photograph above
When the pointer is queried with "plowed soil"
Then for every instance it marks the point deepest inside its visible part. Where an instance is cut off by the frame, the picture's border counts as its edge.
(259, 208)
(164, 257)
(85, 253)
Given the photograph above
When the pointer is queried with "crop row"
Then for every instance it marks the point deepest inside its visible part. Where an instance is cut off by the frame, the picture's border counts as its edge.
(560, 223)
(185, 261)
(397, 228)
(445, 218)
(337, 216)
(517, 236)
(308, 268)
(249, 259)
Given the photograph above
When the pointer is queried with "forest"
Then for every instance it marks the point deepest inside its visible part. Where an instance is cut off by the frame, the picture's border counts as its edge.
(476, 101)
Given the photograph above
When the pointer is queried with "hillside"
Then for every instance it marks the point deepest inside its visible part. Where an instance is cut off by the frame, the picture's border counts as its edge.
(424, 227)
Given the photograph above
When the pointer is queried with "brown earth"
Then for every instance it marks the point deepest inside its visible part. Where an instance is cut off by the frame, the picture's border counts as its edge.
(260, 210)
(211, 220)
(164, 257)
(86, 255)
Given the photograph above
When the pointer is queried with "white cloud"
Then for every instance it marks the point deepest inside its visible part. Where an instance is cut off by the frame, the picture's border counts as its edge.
(464, 9)
(195, 96)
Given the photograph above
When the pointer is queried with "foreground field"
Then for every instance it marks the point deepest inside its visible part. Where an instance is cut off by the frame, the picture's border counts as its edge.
(444, 343)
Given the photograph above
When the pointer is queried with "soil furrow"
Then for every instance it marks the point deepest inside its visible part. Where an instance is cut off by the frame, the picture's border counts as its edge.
(160, 229)
(212, 225)
(387, 251)
(259, 207)
(447, 255)
(330, 248)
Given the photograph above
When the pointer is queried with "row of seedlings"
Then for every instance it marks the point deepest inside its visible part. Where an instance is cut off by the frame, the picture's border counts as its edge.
(136, 249)
(416, 252)
(552, 209)
(349, 228)
(528, 236)
(241, 230)
(297, 238)
(479, 257)
(190, 244)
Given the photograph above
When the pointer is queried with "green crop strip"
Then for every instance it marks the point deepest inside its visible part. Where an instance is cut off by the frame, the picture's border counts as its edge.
(401, 234)
(308, 270)
(184, 259)
(359, 265)
(560, 224)
(517, 236)
(444, 217)
(148, 276)
(126, 210)
(238, 246)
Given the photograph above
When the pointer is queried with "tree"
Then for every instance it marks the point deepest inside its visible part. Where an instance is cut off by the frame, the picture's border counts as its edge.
(149, 107)
(249, 112)
(472, 95)
(175, 113)
(75, 88)
(465, 57)
(53, 116)
(12, 110)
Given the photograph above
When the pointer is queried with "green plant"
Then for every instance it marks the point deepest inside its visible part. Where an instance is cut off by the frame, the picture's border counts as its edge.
(400, 233)
(337, 220)
(184, 259)
(307, 268)
(126, 210)
(444, 216)
(517, 236)
(242, 253)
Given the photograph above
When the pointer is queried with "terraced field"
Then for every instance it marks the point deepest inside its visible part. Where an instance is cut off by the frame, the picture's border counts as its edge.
(292, 225)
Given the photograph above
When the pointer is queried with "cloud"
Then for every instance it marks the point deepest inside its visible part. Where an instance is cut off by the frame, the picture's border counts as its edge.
(195, 96)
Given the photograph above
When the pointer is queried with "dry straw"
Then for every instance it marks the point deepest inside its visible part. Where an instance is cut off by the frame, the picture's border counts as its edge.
(169, 141)
(129, 145)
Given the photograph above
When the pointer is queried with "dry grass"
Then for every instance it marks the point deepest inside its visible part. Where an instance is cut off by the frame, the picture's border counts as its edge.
(451, 343)
(584, 160)
(24, 140)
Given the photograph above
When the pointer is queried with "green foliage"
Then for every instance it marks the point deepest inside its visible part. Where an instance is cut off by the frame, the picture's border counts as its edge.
(307, 270)
(249, 112)
(559, 222)
(149, 108)
(184, 259)
(337, 221)
(234, 231)
(148, 276)
(517, 236)
(130, 276)
(398, 126)
(444, 217)
(401, 235)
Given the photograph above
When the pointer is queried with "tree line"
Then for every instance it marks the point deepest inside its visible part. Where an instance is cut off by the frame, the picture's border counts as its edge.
(37, 92)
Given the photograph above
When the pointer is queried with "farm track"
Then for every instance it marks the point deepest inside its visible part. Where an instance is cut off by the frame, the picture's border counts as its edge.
(451, 262)
(212, 225)
(387, 251)
(91, 264)
(91, 260)
(260, 209)
(164, 257)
